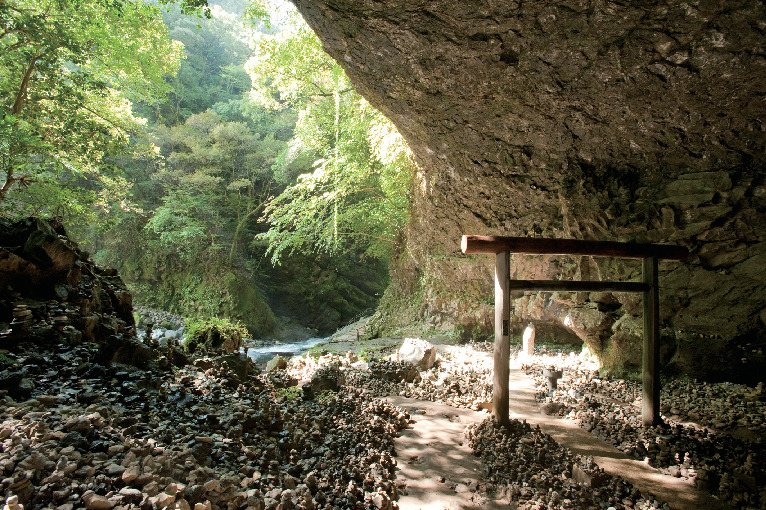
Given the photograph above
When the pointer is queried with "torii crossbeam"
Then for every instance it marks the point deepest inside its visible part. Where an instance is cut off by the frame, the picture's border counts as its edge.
(502, 247)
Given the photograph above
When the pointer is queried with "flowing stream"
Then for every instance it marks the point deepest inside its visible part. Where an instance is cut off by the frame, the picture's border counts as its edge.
(286, 349)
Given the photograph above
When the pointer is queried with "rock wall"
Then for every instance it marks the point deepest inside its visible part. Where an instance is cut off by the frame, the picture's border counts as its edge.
(50, 291)
(630, 121)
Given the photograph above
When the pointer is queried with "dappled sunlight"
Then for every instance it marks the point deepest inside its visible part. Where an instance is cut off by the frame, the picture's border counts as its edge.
(437, 468)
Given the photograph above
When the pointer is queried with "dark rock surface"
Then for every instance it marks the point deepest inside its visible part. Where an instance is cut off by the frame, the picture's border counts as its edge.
(51, 291)
(607, 121)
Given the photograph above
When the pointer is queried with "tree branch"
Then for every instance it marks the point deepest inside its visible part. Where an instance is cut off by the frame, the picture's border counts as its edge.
(10, 180)
(21, 97)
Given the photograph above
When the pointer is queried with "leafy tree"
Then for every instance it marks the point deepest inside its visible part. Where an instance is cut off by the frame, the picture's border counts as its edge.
(354, 195)
(190, 253)
(68, 70)
(212, 73)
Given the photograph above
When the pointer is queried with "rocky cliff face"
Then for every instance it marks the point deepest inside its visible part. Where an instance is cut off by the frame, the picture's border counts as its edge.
(50, 291)
(631, 121)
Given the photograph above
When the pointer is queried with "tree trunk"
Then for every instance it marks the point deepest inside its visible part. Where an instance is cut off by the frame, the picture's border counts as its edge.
(21, 96)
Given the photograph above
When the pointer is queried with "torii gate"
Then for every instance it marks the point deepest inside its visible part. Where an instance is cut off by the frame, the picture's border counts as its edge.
(502, 247)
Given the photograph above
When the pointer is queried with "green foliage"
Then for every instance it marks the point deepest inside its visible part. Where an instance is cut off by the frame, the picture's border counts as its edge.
(68, 71)
(211, 76)
(327, 398)
(5, 361)
(288, 394)
(174, 201)
(354, 196)
(212, 332)
(189, 253)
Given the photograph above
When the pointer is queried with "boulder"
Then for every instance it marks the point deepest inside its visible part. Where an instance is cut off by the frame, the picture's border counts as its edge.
(214, 338)
(394, 371)
(276, 363)
(420, 353)
(240, 365)
(326, 378)
(126, 350)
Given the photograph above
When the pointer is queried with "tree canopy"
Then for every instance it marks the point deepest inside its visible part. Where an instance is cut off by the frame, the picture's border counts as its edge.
(354, 196)
(69, 70)
(189, 150)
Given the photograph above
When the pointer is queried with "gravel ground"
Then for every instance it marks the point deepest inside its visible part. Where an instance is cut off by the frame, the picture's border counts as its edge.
(522, 465)
(714, 432)
(218, 434)
(101, 437)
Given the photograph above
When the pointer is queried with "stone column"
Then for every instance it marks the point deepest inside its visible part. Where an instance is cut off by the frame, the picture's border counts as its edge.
(528, 346)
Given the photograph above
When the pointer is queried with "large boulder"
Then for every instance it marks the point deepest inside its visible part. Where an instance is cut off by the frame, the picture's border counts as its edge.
(215, 337)
(394, 371)
(326, 378)
(418, 352)
(276, 363)
(126, 350)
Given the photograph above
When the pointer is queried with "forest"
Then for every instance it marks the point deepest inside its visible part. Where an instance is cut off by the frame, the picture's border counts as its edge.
(215, 156)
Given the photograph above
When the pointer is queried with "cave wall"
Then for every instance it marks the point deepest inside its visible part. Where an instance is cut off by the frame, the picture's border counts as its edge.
(629, 121)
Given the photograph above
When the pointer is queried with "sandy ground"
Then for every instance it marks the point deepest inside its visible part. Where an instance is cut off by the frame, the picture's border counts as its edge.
(434, 460)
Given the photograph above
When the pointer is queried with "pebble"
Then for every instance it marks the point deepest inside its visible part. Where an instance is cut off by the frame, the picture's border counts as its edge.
(704, 422)
(205, 438)
(12, 503)
(189, 438)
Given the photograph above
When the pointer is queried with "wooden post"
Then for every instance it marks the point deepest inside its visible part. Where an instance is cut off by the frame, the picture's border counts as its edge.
(650, 407)
(500, 391)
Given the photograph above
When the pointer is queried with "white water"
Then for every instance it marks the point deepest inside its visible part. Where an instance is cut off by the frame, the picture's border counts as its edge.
(268, 351)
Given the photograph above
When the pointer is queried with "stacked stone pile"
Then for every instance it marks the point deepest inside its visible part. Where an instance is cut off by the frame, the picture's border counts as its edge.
(106, 436)
(523, 465)
(714, 434)
(610, 409)
(535, 472)
(51, 291)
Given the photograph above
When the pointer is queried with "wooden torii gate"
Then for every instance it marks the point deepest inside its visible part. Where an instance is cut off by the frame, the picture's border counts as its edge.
(502, 247)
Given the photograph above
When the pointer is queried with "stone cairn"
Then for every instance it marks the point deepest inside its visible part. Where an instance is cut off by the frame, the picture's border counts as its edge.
(50, 290)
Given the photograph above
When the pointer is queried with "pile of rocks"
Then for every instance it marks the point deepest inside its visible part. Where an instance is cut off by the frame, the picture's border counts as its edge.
(50, 291)
(705, 422)
(216, 434)
(534, 472)
(521, 464)
(462, 378)
(164, 327)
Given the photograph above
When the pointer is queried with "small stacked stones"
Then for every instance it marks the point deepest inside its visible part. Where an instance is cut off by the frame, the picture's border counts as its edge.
(706, 422)
(114, 437)
(22, 320)
(534, 472)
(61, 295)
(12, 503)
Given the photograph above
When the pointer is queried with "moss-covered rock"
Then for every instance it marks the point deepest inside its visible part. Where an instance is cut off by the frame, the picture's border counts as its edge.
(213, 336)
